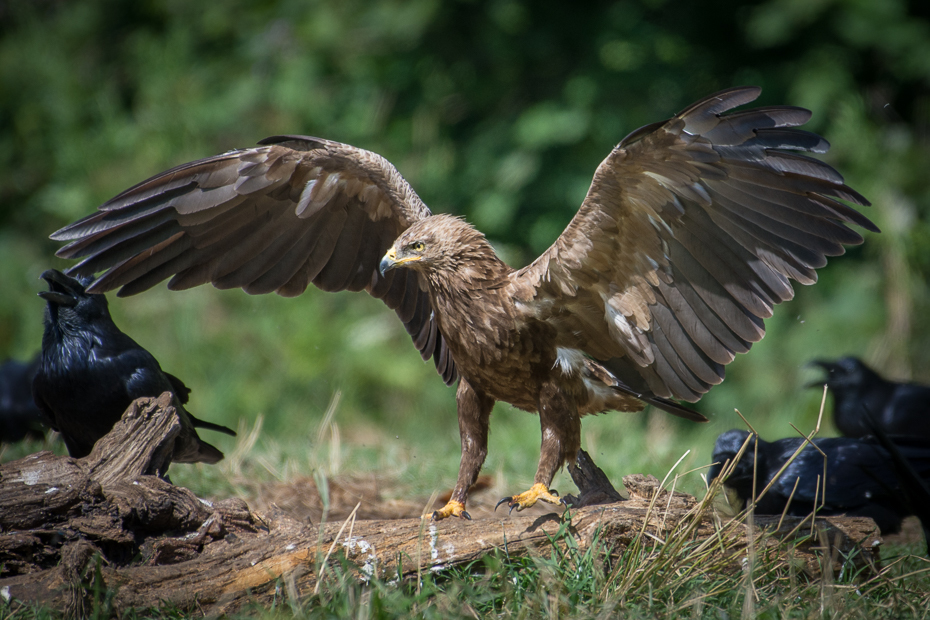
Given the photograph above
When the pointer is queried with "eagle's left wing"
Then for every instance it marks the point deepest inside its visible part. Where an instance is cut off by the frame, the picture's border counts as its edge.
(687, 238)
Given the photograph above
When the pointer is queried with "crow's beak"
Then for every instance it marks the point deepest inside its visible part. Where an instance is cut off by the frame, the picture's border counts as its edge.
(388, 262)
(60, 299)
(62, 289)
(827, 366)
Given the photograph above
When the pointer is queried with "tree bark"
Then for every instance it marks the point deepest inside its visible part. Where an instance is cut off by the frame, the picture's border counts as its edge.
(73, 527)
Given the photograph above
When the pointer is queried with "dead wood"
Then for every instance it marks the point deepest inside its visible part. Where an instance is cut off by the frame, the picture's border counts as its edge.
(73, 527)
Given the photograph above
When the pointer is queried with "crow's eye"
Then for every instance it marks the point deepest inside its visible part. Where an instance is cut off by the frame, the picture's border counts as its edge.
(417, 246)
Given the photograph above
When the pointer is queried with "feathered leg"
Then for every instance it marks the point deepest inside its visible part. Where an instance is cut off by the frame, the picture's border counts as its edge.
(474, 420)
(561, 440)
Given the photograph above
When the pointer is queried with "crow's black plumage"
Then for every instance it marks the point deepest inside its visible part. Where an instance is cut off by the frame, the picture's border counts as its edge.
(914, 486)
(19, 415)
(861, 477)
(898, 408)
(91, 371)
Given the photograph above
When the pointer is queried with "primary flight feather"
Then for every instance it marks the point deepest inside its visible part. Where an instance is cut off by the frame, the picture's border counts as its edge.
(687, 238)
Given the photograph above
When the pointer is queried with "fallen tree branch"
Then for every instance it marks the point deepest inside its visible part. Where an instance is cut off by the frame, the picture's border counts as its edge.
(69, 527)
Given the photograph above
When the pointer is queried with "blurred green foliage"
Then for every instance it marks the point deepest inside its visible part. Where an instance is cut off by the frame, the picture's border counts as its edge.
(499, 110)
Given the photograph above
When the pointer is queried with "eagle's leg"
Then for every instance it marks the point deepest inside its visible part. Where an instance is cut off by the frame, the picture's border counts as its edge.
(561, 440)
(474, 420)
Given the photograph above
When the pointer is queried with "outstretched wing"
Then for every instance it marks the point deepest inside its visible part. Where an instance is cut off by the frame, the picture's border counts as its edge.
(686, 240)
(293, 211)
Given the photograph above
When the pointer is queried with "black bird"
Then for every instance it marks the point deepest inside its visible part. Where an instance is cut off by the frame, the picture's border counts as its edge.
(914, 486)
(898, 408)
(861, 477)
(91, 372)
(19, 415)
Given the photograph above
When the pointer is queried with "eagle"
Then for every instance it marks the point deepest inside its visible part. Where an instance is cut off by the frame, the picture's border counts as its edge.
(690, 233)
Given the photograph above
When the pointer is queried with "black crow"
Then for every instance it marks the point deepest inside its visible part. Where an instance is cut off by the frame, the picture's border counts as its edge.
(91, 372)
(914, 486)
(861, 477)
(898, 408)
(19, 415)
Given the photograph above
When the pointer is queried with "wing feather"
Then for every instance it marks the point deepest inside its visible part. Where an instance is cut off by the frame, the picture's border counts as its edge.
(738, 127)
(722, 331)
(270, 268)
(339, 268)
(798, 261)
(764, 280)
(293, 271)
(727, 273)
(292, 211)
(408, 307)
(672, 370)
(770, 212)
(367, 254)
(120, 246)
(695, 322)
(695, 227)
(164, 260)
(425, 339)
(736, 316)
(706, 372)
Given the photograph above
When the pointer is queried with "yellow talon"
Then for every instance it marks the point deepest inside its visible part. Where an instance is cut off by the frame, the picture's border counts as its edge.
(537, 492)
(451, 509)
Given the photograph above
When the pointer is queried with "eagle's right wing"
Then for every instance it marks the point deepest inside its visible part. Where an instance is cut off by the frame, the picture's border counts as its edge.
(277, 217)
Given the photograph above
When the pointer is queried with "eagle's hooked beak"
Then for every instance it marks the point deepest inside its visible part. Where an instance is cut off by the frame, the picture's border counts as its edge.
(390, 260)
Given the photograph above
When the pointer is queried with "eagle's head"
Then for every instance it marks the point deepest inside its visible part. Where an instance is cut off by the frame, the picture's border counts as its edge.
(443, 245)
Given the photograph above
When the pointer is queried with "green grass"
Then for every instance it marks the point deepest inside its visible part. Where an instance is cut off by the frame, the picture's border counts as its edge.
(680, 577)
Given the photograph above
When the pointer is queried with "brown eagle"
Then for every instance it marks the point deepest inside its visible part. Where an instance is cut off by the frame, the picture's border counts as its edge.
(687, 238)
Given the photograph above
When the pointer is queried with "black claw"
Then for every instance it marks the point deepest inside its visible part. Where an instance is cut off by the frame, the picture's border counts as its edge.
(465, 515)
(512, 506)
(435, 515)
(506, 499)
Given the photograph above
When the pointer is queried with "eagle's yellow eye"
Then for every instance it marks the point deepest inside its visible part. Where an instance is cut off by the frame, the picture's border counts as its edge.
(417, 246)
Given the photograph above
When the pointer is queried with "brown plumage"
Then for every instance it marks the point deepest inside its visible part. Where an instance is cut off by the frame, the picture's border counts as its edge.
(686, 240)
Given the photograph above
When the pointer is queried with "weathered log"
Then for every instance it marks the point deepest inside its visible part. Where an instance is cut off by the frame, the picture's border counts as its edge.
(230, 571)
(109, 498)
(109, 525)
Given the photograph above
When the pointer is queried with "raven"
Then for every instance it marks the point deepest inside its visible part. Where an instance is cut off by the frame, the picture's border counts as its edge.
(91, 372)
(19, 416)
(858, 391)
(914, 486)
(861, 476)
